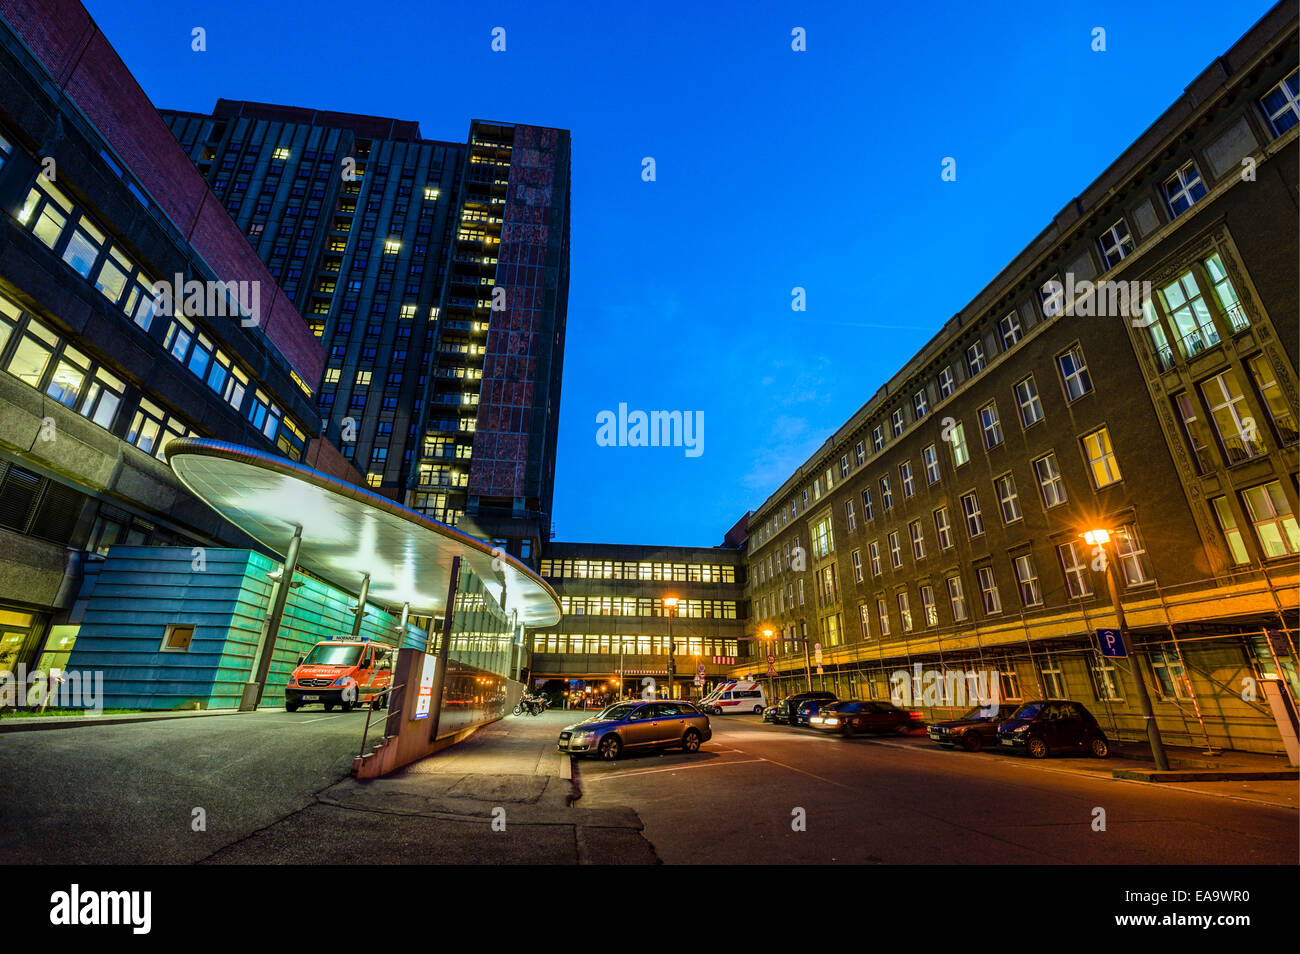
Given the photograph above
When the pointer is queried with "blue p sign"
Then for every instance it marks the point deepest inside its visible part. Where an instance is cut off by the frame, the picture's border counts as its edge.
(1112, 643)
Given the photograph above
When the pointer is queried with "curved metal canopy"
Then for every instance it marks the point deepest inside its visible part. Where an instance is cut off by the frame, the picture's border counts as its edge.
(349, 530)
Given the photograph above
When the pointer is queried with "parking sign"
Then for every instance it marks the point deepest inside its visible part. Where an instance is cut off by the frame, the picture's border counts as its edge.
(1112, 642)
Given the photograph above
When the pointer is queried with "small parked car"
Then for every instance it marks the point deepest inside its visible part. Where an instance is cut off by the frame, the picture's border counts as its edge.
(787, 709)
(856, 715)
(809, 708)
(974, 730)
(666, 723)
(1053, 725)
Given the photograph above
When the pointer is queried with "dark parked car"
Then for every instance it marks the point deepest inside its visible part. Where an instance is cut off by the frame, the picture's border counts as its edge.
(809, 708)
(973, 731)
(855, 715)
(787, 710)
(637, 725)
(1054, 725)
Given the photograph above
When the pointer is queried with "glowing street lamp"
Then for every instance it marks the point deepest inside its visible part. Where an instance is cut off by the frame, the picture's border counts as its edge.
(1099, 538)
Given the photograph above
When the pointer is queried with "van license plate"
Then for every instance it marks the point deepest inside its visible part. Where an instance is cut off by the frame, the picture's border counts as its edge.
(311, 698)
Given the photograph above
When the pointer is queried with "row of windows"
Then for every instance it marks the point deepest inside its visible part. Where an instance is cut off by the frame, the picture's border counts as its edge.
(638, 570)
(70, 233)
(645, 606)
(1076, 382)
(1055, 675)
(37, 356)
(1182, 307)
(615, 645)
(1274, 526)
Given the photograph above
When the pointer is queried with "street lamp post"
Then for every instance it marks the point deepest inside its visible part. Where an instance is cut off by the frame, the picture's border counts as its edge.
(670, 604)
(767, 651)
(1099, 538)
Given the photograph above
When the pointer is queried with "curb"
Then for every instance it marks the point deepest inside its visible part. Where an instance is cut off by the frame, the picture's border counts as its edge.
(1204, 775)
(36, 725)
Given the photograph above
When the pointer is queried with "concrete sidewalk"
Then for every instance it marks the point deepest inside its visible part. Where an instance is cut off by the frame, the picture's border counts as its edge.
(502, 796)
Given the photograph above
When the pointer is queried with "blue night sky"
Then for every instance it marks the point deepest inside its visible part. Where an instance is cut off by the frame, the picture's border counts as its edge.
(775, 169)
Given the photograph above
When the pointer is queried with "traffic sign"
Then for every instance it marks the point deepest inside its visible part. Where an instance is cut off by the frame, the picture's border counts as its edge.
(771, 661)
(1112, 643)
(701, 669)
(771, 670)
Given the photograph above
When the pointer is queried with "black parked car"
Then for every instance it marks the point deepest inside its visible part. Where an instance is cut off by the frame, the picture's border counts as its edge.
(1053, 725)
(809, 708)
(854, 716)
(976, 729)
(786, 711)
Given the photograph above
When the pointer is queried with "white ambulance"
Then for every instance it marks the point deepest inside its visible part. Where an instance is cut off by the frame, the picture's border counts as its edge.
(735, 697)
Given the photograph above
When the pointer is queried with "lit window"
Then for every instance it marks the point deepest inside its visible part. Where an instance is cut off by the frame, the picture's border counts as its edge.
(363, 378)
(1227, 294)
(1101, 458)
(957, 442)
(1233, 423)
(1279, 411)
(1231, 532)
(882, 613)
(392, 246)
(280, 153)
(1275, 525)
(1190, 314)
(332, 375)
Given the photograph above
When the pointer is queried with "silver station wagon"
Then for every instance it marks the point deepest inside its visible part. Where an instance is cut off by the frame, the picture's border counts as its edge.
(666, 723)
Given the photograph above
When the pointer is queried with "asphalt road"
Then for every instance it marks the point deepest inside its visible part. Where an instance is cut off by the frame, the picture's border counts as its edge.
(126, 794)
(904, 801)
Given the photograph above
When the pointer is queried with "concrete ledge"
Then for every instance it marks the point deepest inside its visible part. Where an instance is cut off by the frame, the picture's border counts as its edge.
(68, 722)
(1206, 775)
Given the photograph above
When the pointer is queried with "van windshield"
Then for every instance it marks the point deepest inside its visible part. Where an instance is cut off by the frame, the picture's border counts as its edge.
(333, 654)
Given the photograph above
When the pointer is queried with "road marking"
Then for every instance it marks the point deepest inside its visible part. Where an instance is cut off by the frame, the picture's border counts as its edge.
(566, 767)
(321, 719)
(675, 768)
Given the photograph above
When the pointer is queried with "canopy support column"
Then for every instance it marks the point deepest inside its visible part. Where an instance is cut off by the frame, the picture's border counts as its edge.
(361, 605)
(440, 675)
(253, 690)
